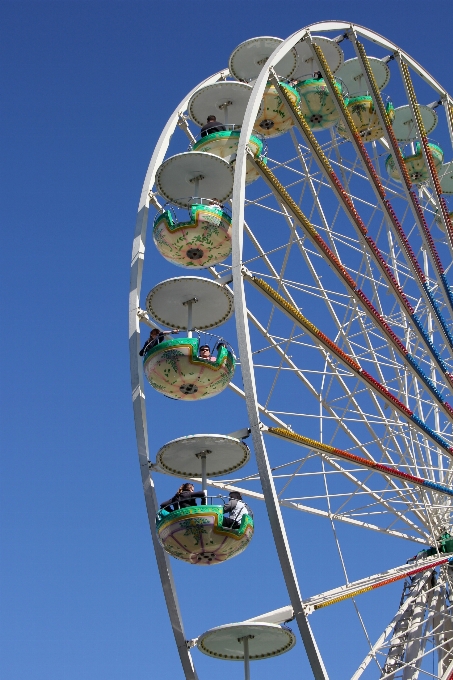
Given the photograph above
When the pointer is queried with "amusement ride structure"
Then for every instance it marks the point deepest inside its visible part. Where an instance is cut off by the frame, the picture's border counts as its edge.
(314, 211)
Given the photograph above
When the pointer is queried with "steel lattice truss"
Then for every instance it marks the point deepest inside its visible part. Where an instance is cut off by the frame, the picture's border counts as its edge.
(340, 407)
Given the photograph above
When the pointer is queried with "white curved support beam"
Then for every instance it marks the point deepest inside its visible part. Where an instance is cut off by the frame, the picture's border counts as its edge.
(267, 482)
(238, 203)
(372, 36)
(137, 385)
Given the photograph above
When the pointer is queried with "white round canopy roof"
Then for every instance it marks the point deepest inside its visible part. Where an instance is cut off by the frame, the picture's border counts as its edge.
(404, 124)
(446, 178)
(247, 60)
(307, 63)
(211, 98)
(176, 178)
(214, 306)
(351, 73)
(268, 640)
(224, 455)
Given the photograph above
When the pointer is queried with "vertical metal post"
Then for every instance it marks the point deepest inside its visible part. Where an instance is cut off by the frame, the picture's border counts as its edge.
(204, 486)
(189, 318)
(196, 185)
(189, 304)
(246, 658)
(245, 642)
(224, 107)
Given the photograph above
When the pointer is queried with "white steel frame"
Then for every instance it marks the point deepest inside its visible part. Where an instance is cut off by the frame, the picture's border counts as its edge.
(244, 317)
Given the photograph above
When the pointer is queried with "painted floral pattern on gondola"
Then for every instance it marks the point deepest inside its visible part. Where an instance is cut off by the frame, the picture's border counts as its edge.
(317, 104)
(415, 163)
(365, 118)
(274, 118)
(196, 535)
(194, 527)
(439, 221)
(201, 241)
(174, 369)
(225, 145)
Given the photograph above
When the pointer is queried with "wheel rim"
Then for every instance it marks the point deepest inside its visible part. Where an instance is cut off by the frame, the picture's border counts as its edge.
(353, 333)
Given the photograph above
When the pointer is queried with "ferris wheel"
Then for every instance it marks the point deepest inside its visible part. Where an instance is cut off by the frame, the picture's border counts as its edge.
(311, 207)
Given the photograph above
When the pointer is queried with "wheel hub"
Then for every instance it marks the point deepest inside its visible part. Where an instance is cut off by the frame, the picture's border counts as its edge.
(188, 389)
(195, 254)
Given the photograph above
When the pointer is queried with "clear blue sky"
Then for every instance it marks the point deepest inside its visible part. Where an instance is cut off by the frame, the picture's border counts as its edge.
(86, 89)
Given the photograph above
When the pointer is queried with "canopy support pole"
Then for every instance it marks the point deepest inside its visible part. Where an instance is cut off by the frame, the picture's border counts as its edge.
(245, 642)
(203, 472)
(204, 483)
(189, 304)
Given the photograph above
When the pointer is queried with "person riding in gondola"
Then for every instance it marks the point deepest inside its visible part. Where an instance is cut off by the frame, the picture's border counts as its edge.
(185, 497)
(212, 125)
(205, 353)
(155, 337)
(236, 508)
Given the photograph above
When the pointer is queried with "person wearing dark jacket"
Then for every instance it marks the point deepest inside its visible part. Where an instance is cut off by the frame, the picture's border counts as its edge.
(185, 497)
(155, 337)
(236, 508)
(212, 125)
